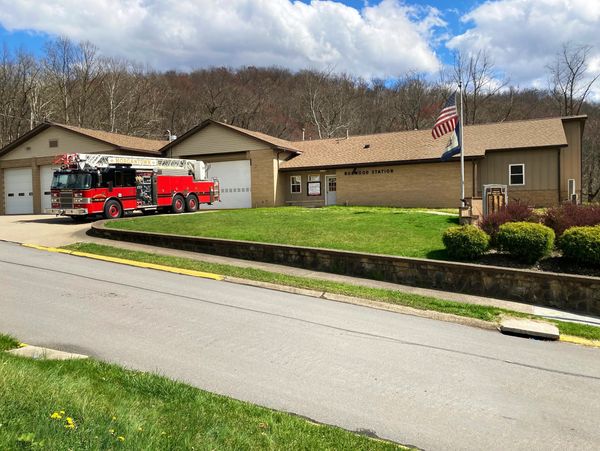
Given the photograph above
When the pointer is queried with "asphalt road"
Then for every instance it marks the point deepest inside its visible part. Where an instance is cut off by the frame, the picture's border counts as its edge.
(430, 384)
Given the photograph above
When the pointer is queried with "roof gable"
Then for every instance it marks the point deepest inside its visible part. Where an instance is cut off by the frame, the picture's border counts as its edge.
(116, 140)
(270, 141)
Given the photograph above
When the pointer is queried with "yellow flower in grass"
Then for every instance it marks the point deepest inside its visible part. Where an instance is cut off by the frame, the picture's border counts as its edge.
(56, 416)
(70, 424)
(121, 438)
(112, 431)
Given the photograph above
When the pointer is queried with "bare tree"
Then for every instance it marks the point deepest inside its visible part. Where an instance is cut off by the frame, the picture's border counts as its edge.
(570, 82)
(330, 101)
(480, 82)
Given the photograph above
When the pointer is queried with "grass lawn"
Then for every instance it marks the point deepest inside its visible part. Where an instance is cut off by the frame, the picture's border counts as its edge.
(393, 231)
(86, 404)
(485, 313)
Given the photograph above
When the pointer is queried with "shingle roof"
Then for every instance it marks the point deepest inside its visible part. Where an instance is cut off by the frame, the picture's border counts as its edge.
(276, 142)
(118, 140)
(419, 145)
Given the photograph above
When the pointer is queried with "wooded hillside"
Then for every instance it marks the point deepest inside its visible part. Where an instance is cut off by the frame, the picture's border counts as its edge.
(73, 84)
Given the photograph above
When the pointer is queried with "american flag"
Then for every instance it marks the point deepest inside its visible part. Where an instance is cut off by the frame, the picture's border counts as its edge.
(446, 121)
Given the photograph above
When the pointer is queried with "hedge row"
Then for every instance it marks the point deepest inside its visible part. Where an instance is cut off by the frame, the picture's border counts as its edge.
(525, 241)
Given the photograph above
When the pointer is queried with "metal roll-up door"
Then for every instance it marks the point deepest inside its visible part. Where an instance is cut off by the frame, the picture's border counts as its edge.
(18, 191)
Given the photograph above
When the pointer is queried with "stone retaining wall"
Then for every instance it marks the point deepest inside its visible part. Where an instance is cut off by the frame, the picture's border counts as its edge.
(574, 293)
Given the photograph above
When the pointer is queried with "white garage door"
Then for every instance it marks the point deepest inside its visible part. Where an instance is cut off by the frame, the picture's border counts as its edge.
(46, 173)
(234, 177)
(18, 191)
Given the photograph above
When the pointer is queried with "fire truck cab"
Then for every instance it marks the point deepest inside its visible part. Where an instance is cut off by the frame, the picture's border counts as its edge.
(109, 185)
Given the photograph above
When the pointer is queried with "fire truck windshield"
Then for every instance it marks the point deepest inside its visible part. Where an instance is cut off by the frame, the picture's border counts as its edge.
(71, 180)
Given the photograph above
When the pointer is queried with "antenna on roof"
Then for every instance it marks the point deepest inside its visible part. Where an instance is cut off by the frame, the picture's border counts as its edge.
(171, 137)
(347, 133)
(303, 130)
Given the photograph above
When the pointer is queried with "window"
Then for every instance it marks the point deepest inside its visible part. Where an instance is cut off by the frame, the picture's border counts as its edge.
(516, 174)
(53, 143)
(296, 183)
(313, 187)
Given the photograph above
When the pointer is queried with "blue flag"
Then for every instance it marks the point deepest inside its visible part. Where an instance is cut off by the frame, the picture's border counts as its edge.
(454, 145)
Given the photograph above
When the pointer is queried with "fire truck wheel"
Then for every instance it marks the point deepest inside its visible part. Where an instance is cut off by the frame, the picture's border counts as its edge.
(191, 203)
(112, 210)
(178, 205)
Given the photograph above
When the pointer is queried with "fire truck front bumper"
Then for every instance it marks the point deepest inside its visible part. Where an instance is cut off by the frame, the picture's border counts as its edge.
(66, 211)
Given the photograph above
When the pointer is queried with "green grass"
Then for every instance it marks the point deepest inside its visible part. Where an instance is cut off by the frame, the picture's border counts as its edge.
(485, 313)
(7, 342)
(392, 231)
(114, 408)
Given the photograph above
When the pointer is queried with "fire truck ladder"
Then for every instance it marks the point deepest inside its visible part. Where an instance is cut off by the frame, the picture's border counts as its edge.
(171, 165)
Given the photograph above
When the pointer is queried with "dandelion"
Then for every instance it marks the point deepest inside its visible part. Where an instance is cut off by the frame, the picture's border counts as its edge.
(62, 412)
(114, 418)
(112, 431)
(56, 416)
(70, 423)
(140, 429)
(121, 438)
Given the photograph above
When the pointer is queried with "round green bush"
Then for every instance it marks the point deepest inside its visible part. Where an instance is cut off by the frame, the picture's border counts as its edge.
(581, 244)
(465, 242)
(525, 241)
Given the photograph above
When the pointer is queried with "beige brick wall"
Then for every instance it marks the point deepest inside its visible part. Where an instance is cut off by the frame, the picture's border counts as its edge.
(264, 178)
(427, 185)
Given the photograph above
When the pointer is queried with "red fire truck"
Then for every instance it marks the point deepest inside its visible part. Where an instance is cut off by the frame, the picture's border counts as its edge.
(110, 185)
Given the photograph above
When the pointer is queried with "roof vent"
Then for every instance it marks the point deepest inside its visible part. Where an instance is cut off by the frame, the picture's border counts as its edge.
(367, 146)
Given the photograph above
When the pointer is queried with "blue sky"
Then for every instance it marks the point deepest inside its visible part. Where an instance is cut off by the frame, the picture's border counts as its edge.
(383, 38)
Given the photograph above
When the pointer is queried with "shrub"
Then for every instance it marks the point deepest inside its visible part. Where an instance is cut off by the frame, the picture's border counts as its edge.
(465, 242)
(526, 241)
(569, 215)
(581, 244)
(514, 211)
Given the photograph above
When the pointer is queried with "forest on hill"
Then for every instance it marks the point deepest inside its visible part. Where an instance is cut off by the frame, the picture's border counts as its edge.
(72, 83)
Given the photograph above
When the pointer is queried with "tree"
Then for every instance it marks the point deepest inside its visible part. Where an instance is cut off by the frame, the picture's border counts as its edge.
(570, 82)
(480, 82)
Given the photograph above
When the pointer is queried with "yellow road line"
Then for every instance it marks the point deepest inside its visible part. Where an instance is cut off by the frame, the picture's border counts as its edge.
(580, 341)
(123, 261)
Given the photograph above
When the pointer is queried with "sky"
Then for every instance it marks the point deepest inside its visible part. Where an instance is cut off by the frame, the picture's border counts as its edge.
(365, 38)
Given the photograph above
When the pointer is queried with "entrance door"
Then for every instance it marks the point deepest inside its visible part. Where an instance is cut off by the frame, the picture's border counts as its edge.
(331, 194)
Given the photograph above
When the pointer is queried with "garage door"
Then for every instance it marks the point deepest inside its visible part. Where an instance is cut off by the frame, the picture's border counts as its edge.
(18, 191)
(234, 177)
(46, 173)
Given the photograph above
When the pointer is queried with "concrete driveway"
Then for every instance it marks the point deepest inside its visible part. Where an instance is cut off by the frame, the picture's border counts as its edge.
(45, 230)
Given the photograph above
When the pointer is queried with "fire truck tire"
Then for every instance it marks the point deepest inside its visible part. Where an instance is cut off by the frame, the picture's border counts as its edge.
(178, 205)
(113, 209)
(191, 203)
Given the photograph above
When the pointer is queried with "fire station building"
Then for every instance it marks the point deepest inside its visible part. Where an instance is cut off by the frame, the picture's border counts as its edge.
(538, 160)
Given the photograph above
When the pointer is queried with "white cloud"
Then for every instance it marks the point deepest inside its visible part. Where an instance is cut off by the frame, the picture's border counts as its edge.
(381, 40)
(524, 36)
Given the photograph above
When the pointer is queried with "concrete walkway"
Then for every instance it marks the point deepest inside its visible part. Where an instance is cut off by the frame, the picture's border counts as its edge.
(50, 231)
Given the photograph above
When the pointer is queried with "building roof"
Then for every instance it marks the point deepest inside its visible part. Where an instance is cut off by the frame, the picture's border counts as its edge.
(419, 145)
(271, 141)
(120, 142)
(124, 142)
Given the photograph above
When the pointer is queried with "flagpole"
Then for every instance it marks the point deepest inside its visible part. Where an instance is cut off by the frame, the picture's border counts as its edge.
(462, 150)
